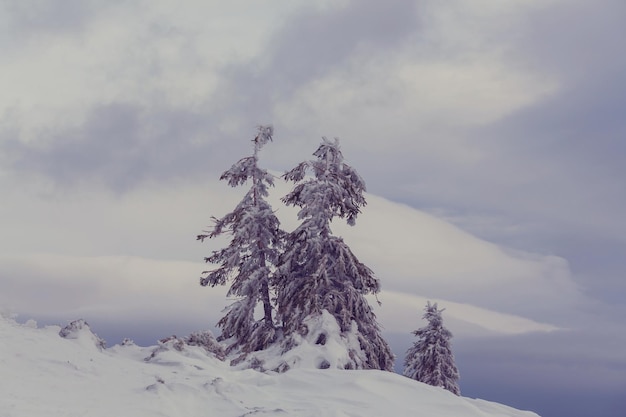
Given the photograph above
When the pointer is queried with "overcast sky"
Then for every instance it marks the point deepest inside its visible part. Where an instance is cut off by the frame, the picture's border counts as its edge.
(491, 136)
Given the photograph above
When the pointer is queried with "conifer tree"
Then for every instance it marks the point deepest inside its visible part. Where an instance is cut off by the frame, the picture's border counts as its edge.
(318, 271)
(430, 359)
(248, 259)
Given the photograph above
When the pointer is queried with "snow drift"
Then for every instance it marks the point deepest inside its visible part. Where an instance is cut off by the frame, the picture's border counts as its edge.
(44, 374)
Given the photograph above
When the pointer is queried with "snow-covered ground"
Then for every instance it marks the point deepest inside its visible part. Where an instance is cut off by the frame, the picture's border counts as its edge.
(43, 374)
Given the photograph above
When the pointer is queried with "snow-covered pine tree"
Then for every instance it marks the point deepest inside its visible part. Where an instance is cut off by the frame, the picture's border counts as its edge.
(248, 259)
(430, 359)
(318, 271)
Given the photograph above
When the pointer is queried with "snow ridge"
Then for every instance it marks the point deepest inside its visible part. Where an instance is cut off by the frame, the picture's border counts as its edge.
(44, 374)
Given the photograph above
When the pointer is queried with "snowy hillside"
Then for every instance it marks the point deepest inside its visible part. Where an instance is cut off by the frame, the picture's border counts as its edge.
(44, 374)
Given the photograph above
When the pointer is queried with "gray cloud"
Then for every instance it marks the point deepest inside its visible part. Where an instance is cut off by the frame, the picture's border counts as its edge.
(122, 145)
(28, 19)
(560, 160)
(308, 47)
(573, 39)
(312, 44)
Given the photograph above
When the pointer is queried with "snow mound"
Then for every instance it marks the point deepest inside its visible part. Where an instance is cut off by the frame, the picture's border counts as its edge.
(206, 340)
(320, 345)
(198, 344)
(44, 375)
(80, 330)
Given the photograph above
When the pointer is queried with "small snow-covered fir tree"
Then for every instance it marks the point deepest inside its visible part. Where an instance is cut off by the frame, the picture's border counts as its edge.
(318, 271)
(248, 259)
(430, 359)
